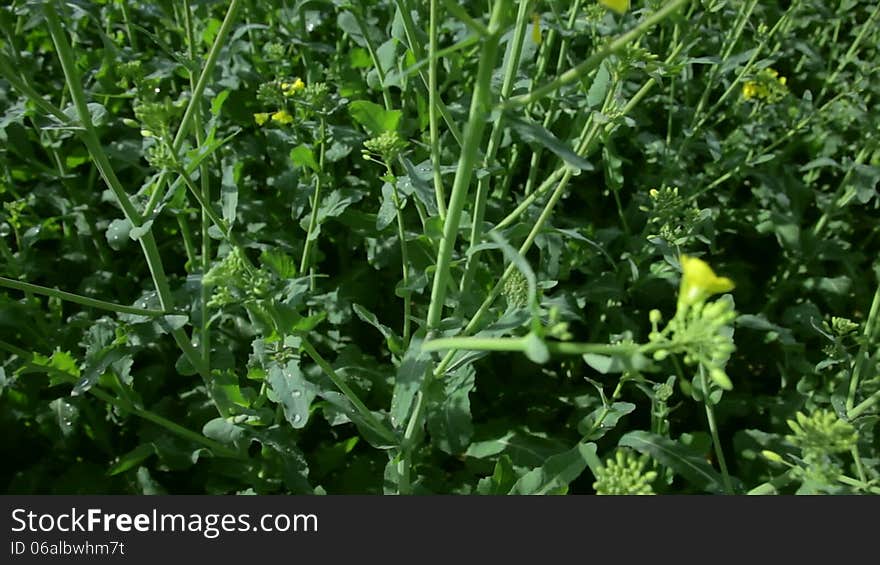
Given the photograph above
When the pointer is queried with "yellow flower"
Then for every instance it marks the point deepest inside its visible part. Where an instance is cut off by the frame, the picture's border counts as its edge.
(291, 88)
(699, 281)
(261, 118)
(619, 6)
(282, 117)
(750, 90)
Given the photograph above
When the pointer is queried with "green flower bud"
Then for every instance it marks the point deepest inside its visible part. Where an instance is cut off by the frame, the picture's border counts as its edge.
(516, 290)
(625, 474)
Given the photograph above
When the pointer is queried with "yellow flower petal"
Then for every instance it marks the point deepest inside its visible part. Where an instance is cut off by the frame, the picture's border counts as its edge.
(282, 117)
(619, 6)
(261, 118)
(699, 281)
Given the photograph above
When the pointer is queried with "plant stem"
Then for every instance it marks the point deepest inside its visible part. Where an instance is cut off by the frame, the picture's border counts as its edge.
(207, 70)
(520, 344)
(77, 299)
(205, 327)
(479, 111)
(404, 257)
(380, 72)
(343, 387)
(313, 217)
(416, 48)
(864, 355)
(439, 191)
(90, 137)
(574, 74)
(713, 429)
(514, 51)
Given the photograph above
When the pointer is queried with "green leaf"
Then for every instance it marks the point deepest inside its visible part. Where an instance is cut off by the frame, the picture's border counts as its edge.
(217, 102)
(348, 23)
(449, 410)
(133, 458)
(533, 132)
(599, 87)
(288, 387)
(592, 428)
(373, 117)
(535, 348)
(554, 476)
(408, 381)
(303, 156)
(117, 233)
(66, 414)
(502, 479)
(393, 341)
(687, 462)
(138, 232)
(606, 364)
(387, 210)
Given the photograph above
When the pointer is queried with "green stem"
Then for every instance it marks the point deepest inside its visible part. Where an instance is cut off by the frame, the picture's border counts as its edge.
(404, 258)
(514, 51)
(192, 108)
(313, 217)
(866, 351)
(77, 299)
(433, 118)
(479, 111)
(863, 406)
(204, 293)
(576, 73)
(521, 343)
(419, 54)
(713, 429)
(731, 42)
(380, 72)
(90, 137)
(343, 387)
(851, 52)
(456, 10)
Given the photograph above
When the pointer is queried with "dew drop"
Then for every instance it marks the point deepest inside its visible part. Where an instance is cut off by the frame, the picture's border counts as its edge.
(296, 393)
(297, 418)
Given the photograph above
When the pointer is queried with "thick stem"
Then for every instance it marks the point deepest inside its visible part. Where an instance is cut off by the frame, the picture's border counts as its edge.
(479, 112)
(713, 429)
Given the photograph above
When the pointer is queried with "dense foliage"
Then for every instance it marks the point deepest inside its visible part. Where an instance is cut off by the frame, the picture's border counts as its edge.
(391, 246)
